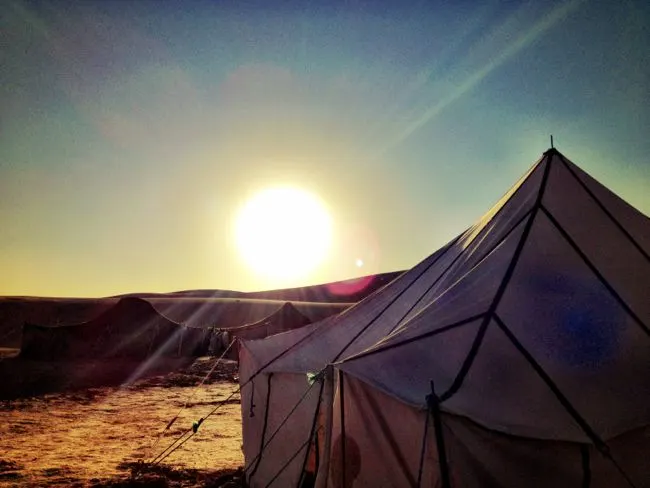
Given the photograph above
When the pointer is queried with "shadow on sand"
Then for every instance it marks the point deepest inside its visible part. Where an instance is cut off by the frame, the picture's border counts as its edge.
(25, 377)
(148, 475)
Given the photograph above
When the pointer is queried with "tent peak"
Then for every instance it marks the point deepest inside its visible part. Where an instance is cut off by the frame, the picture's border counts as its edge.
(551, 151)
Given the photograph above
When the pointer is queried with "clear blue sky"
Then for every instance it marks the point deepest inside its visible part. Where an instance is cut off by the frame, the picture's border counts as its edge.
(132, 132)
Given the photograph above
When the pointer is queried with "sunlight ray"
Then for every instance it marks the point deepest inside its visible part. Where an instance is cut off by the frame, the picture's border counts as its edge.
(554, 17)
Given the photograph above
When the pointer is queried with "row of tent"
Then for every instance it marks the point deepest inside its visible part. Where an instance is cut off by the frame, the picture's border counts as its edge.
(516, 355)
(133, 328)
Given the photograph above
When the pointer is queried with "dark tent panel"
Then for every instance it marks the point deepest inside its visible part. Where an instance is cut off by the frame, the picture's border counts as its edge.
(132, 328)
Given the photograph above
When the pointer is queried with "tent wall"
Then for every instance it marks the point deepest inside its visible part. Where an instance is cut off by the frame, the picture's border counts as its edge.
(251, 332)
(377, 440)
(194, 342)
(285, 319)
(88, 341)
(483, 458)
(383, 447)
(263, 411)
(285, 442)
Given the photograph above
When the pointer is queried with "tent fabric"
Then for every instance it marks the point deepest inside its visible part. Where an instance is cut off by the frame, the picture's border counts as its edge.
(287, 408)
(284, 319)
(566, 306)
(380, 442)
(388, 436)
(287, 317)
(358, 327)
(275, 394)
(131, 328)
(532, 325)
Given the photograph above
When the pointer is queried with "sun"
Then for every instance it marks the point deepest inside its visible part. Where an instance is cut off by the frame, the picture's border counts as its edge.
(283, 233)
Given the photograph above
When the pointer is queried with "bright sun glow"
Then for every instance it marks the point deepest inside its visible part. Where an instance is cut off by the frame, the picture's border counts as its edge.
(283, 233)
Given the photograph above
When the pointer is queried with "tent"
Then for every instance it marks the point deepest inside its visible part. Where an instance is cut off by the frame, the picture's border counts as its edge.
(131, 328)
(285, 318)
(517, 355)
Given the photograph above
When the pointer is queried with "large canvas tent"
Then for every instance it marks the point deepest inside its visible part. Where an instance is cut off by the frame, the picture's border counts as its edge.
(131, 328)
(517, 355)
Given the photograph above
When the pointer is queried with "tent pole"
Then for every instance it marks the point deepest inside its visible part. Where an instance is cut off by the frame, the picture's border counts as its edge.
(342, 402)
(434, 406)
(266, 420)
(328, 403)
(424, 445)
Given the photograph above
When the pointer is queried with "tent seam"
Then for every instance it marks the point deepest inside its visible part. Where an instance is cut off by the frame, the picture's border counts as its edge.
(434, 408)
(440, 330)
(311, 434)
(266, 418)
(473, 352)
(600, 444)
(592, 267)
(383, 310)
(601, 205)
(462, 253)
(568, 406)
(423, 449)
(459, 280)
(342, 413)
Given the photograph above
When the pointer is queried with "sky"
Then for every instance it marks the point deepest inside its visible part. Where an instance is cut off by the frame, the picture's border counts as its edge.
(132, 133)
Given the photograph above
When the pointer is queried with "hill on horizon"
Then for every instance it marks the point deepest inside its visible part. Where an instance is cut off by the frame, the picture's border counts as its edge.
(344, 291)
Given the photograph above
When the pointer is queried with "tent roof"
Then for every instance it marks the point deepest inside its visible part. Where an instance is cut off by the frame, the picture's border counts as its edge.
(541, 325)
(286, 314)
(128, 311)
(381, 313)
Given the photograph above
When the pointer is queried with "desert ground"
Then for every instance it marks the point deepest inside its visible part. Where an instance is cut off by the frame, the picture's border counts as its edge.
(107, 436)
(102, 422)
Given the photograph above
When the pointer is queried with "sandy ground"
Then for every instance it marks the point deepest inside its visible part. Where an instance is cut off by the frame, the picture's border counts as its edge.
(107, 436)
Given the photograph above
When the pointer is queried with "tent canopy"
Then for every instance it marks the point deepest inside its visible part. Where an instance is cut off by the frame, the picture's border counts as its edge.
(542, 328)
(285, 318)
(131, 328)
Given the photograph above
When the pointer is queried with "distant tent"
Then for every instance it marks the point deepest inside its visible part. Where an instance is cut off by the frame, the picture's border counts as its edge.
(208, 313)
(284, 319)
(517, 355)
(131, 328)
(230, 313)
(287, 317)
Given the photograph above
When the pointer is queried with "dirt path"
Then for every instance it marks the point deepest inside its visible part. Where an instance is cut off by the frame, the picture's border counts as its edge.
(94, 437)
